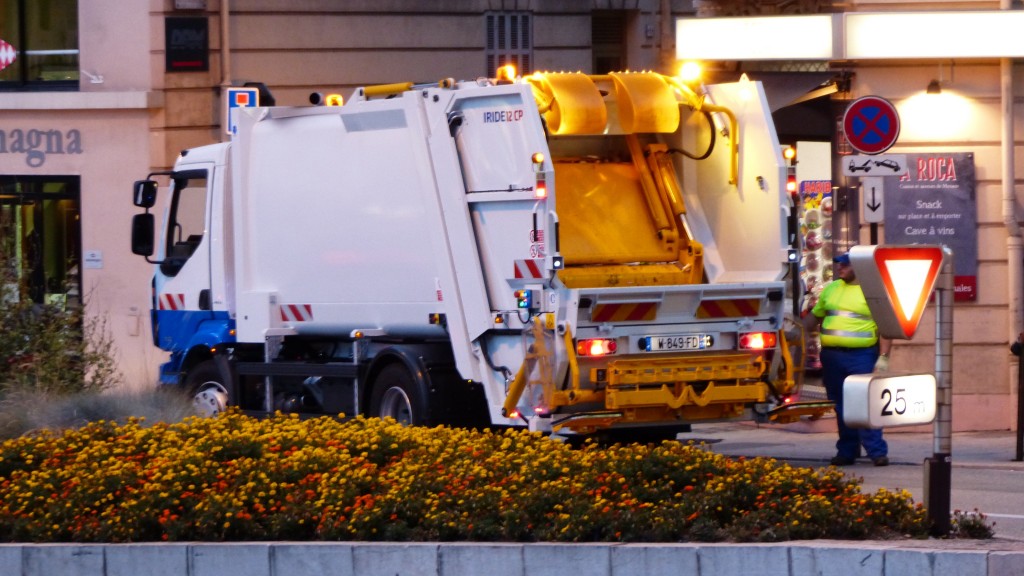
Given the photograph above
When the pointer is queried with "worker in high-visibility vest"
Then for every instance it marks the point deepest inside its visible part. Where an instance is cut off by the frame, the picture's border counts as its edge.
(850, 344)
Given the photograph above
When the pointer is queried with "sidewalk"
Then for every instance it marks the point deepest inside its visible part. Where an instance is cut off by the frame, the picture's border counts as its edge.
(984, 475)
(813, 443)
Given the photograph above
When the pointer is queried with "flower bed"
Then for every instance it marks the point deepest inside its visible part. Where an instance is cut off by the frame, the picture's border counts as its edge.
(283, 478)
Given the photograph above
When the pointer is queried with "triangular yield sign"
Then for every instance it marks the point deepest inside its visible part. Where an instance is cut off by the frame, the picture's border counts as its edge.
(908, 274)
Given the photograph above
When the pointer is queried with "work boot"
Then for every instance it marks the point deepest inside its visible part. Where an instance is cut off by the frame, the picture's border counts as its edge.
(842, 461)
(880, 461)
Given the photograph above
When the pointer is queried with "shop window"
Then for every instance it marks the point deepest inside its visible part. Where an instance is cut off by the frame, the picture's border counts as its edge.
(40, 239)
(39, 45)
(509, 41)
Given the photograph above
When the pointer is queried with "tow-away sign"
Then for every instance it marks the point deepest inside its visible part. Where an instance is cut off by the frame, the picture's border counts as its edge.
(877, 165)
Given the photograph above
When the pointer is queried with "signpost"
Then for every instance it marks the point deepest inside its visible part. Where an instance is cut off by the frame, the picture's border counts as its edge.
(872, 125)
(897, 282)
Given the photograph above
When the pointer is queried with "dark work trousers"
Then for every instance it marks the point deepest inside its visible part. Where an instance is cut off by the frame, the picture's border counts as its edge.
(836, 365)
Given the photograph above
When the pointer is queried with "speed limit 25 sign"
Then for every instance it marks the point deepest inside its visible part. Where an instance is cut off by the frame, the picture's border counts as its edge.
(888, 401)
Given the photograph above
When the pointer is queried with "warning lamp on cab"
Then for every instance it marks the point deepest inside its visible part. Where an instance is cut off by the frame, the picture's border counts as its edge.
(318, 99)
(506, 74)
(690, 72)
(789, 153)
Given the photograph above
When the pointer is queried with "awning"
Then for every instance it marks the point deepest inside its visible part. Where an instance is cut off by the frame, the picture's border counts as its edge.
(788, 88)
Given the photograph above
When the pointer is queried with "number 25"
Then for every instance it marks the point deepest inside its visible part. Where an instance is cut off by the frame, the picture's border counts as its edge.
(900, 406)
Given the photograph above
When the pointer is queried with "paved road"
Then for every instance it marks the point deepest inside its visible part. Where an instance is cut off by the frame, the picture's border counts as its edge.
(985, 477)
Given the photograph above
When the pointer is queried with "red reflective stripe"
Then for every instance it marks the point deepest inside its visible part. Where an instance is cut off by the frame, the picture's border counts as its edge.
(642, 311)
(172, 302)
(748, 307)
(528, 269)
(623, 312)
(296, 312)
(729, 308)
(534, 268)
(603, 312)
(710, 309)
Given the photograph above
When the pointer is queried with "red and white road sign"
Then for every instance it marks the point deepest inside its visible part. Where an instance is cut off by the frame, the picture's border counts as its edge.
(897, 282)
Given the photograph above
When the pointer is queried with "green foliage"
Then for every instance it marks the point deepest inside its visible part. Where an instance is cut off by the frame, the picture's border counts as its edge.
(48, 348)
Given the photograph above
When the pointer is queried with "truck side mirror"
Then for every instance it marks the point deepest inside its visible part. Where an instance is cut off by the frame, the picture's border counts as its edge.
(144, 193)
(142, 234)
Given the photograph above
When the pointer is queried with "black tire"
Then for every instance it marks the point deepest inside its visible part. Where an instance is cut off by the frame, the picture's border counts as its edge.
(210, 394)
(397, 395)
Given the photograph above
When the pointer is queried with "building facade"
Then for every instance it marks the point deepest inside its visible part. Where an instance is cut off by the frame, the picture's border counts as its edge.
(958, 133)
(95, 94)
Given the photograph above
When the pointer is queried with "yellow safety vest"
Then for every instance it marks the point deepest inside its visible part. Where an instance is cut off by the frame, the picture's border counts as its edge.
(847, 319)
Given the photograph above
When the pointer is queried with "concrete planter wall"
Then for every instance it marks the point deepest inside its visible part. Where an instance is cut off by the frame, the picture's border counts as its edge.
(498, 559)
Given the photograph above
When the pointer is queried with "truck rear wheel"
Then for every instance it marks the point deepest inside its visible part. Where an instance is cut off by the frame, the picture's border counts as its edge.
(397, 395)
(209, 393)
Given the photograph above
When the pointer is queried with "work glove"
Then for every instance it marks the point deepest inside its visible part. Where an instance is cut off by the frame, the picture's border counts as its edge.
(882, 364)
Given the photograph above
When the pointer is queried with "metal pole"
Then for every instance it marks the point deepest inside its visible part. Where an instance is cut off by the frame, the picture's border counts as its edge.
(1020, 400)
(939, 468)
(1020, 407)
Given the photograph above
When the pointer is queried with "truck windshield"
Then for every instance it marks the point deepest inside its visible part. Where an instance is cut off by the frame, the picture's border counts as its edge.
(186, 222)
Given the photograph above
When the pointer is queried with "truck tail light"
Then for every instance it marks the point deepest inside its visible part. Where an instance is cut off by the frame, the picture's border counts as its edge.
(758, 340)
(596, 347)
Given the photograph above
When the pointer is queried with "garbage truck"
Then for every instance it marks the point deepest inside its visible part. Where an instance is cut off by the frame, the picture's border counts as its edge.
(567, 252)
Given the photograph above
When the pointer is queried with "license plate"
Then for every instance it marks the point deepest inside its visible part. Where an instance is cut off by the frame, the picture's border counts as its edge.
(676, 342)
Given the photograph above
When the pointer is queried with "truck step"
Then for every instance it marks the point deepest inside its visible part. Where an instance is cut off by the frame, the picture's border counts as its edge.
(297, 369)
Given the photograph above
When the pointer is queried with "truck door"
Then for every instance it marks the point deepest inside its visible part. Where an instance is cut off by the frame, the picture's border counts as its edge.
(498, 137)
(182, 284)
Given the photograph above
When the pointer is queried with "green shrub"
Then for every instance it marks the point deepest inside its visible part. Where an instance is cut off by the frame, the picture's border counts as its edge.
(48, 348)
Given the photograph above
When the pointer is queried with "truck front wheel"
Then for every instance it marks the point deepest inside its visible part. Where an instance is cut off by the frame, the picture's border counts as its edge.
(208, 392)
(397, 395)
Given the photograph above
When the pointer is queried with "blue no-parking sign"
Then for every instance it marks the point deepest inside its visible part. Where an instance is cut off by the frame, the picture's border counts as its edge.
(238, 98)
(871, 124)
